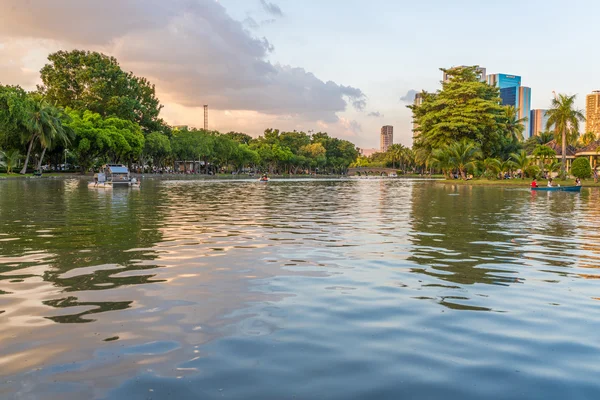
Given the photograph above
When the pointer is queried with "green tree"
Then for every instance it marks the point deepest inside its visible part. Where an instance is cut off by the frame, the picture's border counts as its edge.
(9, 159)
(442, 160)
(157, 147)
(588, 138)
(395, 153)
(565, 117)
(240, 138)
(85, 80)
(581, 168)
(492, 167)
(465, 108)
(43, 125)
(513, 124)
(315, 153)
(14, 112)
(103, 139)
(542, 153)
(521, 161)
(463, 155)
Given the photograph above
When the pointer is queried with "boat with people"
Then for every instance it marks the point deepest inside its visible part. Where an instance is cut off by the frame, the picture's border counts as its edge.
(264, 178)
(557, 189)
(111, 175)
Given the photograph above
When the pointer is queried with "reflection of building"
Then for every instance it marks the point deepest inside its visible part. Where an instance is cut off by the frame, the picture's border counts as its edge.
(592, 112)
(513, 94)
(386, 138)
(537, 122)
(481, 73)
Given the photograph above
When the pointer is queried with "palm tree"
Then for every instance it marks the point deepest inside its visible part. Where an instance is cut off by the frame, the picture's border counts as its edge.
(463, 155)
(395, 152)
(441, 159)
(42, 125)
(9, 159)
(543, 153)
(53, 136)
(565, 118)
(587, 138)
(520, 161)
(507, 166)
(491, 166)
(545, 137)
(514, 125)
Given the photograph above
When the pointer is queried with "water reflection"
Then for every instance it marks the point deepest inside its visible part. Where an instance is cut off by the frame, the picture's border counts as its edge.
(207, 289)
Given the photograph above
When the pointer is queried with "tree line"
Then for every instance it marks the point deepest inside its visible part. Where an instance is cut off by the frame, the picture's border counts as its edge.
(88, 112)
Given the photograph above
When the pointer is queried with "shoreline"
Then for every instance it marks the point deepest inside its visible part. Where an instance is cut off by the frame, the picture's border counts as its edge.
(89, 176)
(515, 182)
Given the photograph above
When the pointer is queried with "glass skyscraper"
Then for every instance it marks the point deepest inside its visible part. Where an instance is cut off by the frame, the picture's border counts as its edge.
(513, 94)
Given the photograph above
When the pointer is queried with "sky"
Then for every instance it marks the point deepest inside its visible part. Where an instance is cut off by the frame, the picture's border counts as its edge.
(345, 67)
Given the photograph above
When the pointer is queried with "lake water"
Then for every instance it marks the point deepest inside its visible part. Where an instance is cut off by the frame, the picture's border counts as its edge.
(356, 289)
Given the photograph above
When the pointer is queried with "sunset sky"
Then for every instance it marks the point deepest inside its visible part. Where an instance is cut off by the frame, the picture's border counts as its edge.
(342, 66)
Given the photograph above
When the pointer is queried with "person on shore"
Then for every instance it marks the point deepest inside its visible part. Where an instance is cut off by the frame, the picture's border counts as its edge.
(534, 183)
(577, 182)
(549, 182)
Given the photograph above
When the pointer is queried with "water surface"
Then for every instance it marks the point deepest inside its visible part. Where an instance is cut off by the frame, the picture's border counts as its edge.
(303, 289)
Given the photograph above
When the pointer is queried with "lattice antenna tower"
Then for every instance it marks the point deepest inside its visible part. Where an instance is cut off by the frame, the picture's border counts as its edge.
(206, 117)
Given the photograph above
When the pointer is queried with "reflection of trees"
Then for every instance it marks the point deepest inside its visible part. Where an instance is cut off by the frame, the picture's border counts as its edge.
(462, 234)
(99, 307)
(455, 230)
(67, 226)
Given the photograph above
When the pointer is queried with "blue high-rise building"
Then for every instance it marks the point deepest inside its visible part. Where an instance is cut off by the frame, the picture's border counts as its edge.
(512, 93)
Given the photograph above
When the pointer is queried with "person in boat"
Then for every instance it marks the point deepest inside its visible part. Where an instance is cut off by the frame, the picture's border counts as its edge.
(550, 182)
(577, 182)
(264, 178)
(534, 183)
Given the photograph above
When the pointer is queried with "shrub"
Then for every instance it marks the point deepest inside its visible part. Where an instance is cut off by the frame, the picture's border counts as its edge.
(532, 171)
(581, 168)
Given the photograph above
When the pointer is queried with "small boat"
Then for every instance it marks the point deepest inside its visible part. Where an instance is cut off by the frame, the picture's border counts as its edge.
(264, 178)
(112, 175)
(557, 189)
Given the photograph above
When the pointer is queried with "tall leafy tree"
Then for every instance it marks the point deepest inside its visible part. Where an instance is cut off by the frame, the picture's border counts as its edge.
(157, 147)
(465, 108)
(85, 80)
(107, 139)
(14, 112)
(565, 117)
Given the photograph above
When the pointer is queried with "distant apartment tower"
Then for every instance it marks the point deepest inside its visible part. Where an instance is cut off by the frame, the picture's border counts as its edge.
(386, 138)
(512, 93)
(418, 101)
(537, 122)
(592, 112)
(481, 73)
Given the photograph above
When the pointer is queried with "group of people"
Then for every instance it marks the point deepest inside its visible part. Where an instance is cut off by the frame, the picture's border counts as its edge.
(551, 184)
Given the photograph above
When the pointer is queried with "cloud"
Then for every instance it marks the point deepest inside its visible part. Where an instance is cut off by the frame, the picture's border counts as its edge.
(375, 114)
(251, 23)
(409, 97)
(272, 8)
(192, 50)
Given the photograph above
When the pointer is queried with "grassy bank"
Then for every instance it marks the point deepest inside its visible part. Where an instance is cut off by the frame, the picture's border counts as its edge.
(516, 182)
